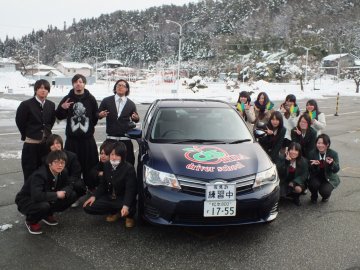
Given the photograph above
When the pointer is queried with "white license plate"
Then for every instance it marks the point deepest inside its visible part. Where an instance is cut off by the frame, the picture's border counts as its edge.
(220, 192)
(219, 208)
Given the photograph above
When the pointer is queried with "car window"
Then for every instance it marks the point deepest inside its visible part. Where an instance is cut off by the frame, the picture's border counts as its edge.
(199, 124)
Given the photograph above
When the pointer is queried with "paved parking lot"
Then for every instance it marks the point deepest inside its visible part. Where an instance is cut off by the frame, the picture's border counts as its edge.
(323, 236)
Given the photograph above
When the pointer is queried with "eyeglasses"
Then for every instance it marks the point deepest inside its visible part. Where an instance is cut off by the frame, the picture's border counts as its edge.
(59, 162)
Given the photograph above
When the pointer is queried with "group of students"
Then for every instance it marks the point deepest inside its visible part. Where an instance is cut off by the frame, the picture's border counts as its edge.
(56, 175)
(295, 143)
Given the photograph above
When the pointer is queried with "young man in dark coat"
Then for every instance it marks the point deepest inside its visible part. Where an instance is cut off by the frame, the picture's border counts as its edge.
(53, 143)
(35, 118)
(116, 194)
(120, 113)
(80, 110)
(46, 191)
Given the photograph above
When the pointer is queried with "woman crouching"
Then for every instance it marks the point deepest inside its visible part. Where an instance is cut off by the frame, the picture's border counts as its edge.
(324, 165)
(116, 193)
(293, 172)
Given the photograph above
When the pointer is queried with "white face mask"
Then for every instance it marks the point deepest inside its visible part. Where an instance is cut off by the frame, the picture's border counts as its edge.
(115, 163)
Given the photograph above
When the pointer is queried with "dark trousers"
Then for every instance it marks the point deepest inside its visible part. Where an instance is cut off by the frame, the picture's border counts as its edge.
(321, 186)
(36, 211)
(31, 156)
(130, 157)
(87, 153)
(106, 206)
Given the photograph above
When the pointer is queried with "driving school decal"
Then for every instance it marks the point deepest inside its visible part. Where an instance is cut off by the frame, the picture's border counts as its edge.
(212, 159)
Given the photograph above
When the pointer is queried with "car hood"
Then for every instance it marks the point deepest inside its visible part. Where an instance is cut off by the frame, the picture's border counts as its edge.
(216, 161)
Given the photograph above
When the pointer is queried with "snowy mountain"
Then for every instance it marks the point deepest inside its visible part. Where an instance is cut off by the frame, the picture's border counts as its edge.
(226, 30)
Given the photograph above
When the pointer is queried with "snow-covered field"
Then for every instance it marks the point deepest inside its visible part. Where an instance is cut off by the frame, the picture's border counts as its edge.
(148, 91)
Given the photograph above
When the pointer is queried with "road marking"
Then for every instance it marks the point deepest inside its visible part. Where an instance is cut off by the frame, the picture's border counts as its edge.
(345, 113)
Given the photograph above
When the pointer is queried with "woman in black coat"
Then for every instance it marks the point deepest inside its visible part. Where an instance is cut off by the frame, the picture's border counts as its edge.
(116, 194)
(275, 133)
(293, 172)
(304, 134)
(324, 166)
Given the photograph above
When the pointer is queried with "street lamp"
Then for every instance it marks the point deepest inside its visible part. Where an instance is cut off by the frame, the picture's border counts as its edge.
(179, 53)
(307, 56)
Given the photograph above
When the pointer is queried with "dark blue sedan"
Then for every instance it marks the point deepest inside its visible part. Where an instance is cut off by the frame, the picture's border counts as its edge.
(199, 165)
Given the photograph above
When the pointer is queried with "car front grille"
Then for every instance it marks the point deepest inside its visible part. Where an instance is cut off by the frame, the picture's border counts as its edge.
(198, 187)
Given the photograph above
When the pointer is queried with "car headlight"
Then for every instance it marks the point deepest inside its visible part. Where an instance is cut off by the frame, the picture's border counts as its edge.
(158, 178)
(265, 177)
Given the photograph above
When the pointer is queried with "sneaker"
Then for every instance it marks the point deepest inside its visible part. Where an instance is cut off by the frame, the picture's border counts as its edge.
(33, 228)
(325, 199)
(113, 218)
(129, 222)
(51, 221)
(75, 204)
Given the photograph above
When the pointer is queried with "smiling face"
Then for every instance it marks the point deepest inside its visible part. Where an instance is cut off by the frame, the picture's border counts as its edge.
(293, 153)
(303, 124)
(310, 107)
(243, 99)
(56, 146)
(114, 156)
(321, 146)
(262, 100)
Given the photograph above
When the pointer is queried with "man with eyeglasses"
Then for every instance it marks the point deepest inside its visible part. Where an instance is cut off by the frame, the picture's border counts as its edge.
(47, 190)
(120, 113)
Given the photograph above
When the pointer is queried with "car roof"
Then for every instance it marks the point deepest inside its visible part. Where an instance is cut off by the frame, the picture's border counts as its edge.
(176, 102)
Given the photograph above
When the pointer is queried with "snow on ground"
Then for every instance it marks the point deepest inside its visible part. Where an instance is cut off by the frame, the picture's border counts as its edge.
(148, 91)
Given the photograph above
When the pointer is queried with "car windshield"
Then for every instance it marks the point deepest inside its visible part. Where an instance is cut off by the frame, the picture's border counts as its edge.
(208, 125)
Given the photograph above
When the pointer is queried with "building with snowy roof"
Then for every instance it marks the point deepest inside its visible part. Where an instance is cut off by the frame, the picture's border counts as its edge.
(8, 65)
(72, 68)
(333, 62)
(36, 69)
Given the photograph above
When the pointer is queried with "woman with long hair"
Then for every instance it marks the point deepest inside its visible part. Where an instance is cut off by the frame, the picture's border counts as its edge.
(293, 173)
(290, 112)
(263, 109)
(304, 134)
(275, 133)
(318, 121)
(244, 107)
(324, 166)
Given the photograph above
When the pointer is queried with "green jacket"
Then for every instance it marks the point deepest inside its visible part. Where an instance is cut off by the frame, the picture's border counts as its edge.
(301, 171)
(330, 170)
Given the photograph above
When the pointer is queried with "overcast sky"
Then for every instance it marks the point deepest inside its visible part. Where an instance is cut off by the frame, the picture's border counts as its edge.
(19, 17)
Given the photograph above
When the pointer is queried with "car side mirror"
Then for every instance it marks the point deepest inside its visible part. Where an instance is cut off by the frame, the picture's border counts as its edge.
(259, 133)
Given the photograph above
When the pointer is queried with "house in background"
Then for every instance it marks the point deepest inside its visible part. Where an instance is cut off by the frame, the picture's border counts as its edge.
(36, 69)
(71, 68)
(111, 63)
(8, 65)
(332, 63)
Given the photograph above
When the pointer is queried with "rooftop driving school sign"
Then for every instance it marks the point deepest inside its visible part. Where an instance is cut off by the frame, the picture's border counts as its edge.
(212, 159)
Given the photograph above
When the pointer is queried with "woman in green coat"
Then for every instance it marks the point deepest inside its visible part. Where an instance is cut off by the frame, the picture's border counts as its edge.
(324, 165)
(293, 172)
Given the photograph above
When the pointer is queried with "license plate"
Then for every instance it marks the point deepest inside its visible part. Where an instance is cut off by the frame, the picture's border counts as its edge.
(220, 192)
(219, 208)
(220, 200)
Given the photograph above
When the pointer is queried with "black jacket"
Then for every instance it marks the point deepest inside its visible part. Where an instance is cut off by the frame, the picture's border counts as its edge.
(122, 180)
(41, 185)
(307, 142)
(81, 117)
(117, 126)
(273, 143)
(301, 171)
(34, 121)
